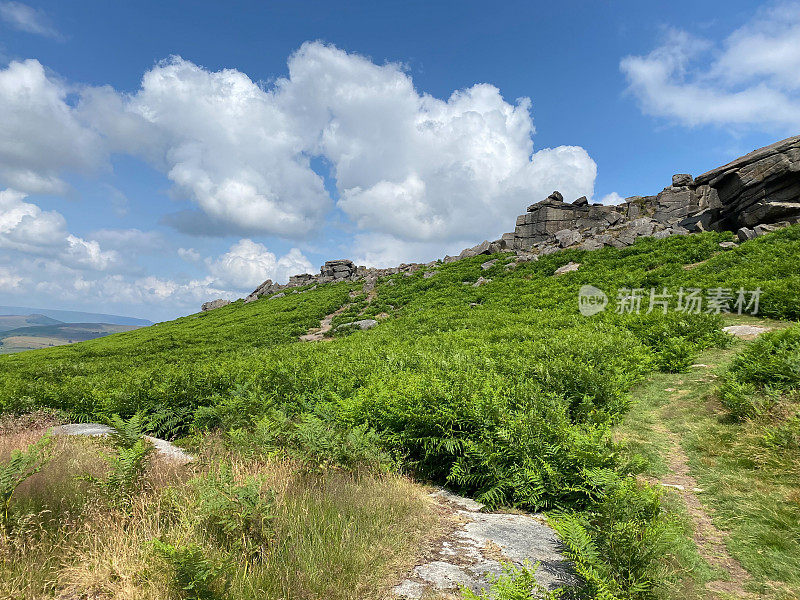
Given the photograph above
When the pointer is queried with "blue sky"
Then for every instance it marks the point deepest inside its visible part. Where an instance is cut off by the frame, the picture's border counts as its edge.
(155, 155)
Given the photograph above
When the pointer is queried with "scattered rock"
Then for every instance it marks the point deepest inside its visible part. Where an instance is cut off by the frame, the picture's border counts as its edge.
(481, 281)
(428, 274)
(745, 332)
(728, 245)
(745, 233)
(592, 244)
(482, 248)
(567, 268)
(363, 324)
(280, 295)
(476, 547)
(681, 179)
(489, 264)
(214, 304)
(164, 448)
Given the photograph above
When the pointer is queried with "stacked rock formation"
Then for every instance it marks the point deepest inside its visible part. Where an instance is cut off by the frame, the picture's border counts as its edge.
(752, 195)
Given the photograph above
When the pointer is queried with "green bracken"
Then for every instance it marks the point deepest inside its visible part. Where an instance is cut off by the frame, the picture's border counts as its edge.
(503, 392)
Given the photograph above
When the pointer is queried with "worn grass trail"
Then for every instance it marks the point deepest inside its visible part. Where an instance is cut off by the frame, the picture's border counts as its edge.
(739, 510)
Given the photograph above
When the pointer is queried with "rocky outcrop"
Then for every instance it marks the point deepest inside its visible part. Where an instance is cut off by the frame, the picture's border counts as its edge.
(752, 195)
(214, 304)
(337, 270)
(762, 187)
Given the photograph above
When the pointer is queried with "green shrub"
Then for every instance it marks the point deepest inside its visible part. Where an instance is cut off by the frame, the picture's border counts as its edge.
(784, 436)
(514, 584)
(233, 514)
(676, 355)
(743, 400)
(128, 462)
(21, 465)
(773, 359)
(618, 545)
(194, 576)
(315, 441)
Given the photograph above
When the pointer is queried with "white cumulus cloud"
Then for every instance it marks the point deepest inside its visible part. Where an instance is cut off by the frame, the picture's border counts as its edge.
(26, 228)
(753, 79)
(40, 134)
(248, 263)
(406, 164)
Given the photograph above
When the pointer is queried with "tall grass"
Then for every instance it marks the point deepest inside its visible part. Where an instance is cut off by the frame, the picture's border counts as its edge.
(338, 534)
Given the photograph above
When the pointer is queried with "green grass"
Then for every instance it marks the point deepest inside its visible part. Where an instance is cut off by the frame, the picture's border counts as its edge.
(503, 392)
(750, 477)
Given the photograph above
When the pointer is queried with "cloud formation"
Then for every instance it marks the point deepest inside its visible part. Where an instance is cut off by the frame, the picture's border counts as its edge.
(26, 228)
(415, 176)
(753, 79)
(25, 18)
(247, 264)
(41, 135)
(405, 164)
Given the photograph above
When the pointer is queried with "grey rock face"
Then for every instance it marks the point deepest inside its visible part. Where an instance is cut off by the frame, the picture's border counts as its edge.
(759, 188)
(675, 203)
(582, 201)
(214, 304)
(363, 324)
(746, 332)
(681, 179)
(299, 280)
(745, 233)
(164, 448)
(462, 559)
(568, 237)
(337, 270)
(482, 248)
(567, 268)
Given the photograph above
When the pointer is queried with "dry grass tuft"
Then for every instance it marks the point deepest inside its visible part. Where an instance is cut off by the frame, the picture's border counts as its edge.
(336, 535)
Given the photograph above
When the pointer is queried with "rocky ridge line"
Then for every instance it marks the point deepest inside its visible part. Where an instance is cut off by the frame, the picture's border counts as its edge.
(752, 195)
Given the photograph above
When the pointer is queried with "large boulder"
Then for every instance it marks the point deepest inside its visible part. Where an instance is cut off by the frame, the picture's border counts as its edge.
(762, 187)
(337, 270)
(213, 304)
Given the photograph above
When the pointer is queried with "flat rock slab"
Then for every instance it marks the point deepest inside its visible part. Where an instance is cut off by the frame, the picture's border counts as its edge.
(477, 546)
(567, 268)
(745, 332)
(164, 448)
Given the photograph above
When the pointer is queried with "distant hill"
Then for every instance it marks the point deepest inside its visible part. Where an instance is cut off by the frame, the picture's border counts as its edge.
(8, 322)
(71, 316)
(55, 333)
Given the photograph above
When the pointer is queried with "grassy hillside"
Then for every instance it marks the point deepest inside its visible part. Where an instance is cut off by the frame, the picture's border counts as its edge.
(35, 336)
(504, 391)
(8, 322)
